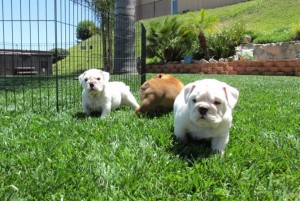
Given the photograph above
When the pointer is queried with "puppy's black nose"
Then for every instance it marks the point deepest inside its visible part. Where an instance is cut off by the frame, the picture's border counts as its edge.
(202, 110)
(91, 85)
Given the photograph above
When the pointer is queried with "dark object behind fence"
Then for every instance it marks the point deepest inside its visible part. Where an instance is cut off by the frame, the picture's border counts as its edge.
(31, 30)
(23, 62)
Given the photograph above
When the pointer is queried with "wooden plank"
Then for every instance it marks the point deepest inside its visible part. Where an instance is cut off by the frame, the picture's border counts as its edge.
(25, 68)
(27, 72)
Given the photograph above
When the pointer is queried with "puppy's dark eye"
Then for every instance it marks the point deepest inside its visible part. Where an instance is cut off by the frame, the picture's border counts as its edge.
(217, 102)
(194, 100)
(85, 79)
(98, 78)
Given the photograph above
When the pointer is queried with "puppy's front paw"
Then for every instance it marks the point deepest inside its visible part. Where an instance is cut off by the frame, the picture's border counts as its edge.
(219, 144)
(219, 152)
(86, 111)
(181, 134)
(183, 139)
(105, 113)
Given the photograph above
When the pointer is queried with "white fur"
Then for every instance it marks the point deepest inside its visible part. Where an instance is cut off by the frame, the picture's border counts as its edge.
(101, 95)
(215, 100)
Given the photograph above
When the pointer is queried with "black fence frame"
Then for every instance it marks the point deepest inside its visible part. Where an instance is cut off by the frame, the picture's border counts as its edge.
(33, 33)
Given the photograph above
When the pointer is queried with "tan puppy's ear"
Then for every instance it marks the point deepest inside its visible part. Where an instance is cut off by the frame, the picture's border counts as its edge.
(160, 75)
(81, 78)
(105, 75)
(157, 76)
(188, 90)
(232, 95)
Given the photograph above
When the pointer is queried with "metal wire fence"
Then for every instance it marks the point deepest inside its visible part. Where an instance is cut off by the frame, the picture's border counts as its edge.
(41, 55)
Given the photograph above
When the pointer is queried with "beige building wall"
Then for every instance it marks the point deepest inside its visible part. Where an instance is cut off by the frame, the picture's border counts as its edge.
(194, 5)
(154, 8)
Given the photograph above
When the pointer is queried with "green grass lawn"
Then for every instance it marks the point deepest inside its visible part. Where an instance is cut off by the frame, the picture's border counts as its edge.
(81, 59)
(67, 156)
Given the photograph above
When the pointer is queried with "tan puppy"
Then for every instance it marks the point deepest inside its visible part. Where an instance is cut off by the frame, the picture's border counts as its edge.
(158, 94)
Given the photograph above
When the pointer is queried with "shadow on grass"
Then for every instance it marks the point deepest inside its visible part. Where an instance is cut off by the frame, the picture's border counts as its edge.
(193, 150)
(154, 114)
(81, 115)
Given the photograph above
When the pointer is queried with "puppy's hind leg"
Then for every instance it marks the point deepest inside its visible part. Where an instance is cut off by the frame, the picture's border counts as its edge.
(146, 105)
(128, 99)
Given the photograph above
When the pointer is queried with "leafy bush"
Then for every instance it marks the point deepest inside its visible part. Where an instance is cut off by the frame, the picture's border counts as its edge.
(59, 54)
(222, 43)
(167, 41)
(85, 29)
(296, 31)
(197, 51)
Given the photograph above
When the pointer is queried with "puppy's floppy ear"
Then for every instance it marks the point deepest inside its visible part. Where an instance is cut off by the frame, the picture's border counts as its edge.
(160, 76)
(188, 90)
(232, 95)
(105, 75)
(80, 77)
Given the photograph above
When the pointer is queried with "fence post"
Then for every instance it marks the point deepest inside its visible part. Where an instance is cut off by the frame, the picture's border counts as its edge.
(55, 54)
(143, 55)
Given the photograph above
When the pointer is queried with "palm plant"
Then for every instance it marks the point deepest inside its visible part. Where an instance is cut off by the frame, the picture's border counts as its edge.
(167, 41)
(198, 25)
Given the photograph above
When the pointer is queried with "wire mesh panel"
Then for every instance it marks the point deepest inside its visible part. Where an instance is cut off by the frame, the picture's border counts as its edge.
(46, 44)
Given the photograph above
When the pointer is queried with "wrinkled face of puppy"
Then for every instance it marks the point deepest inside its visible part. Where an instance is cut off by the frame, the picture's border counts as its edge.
(93, 80)
(208, 100)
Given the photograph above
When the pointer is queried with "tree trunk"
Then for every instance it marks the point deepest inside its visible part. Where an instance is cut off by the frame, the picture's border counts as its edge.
(124, 36)
(110, 42)
(203, 44)
(104, 47)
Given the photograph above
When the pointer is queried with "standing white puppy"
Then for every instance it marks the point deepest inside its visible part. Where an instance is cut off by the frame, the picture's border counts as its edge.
(101, 95)
(203, 110)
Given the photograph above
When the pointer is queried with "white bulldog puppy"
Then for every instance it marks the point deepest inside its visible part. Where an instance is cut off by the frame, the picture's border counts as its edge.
(203, 110)
(103, 96)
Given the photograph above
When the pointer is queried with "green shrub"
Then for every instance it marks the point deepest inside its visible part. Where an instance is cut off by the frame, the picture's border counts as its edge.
(296, 31)
(85, 29)
(197, 51)
(167, 41)
(153, 60)
(223, 42)
(59, 54)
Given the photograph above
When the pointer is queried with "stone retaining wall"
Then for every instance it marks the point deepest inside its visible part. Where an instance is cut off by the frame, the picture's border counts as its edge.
(287, 68)
(273, 51)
